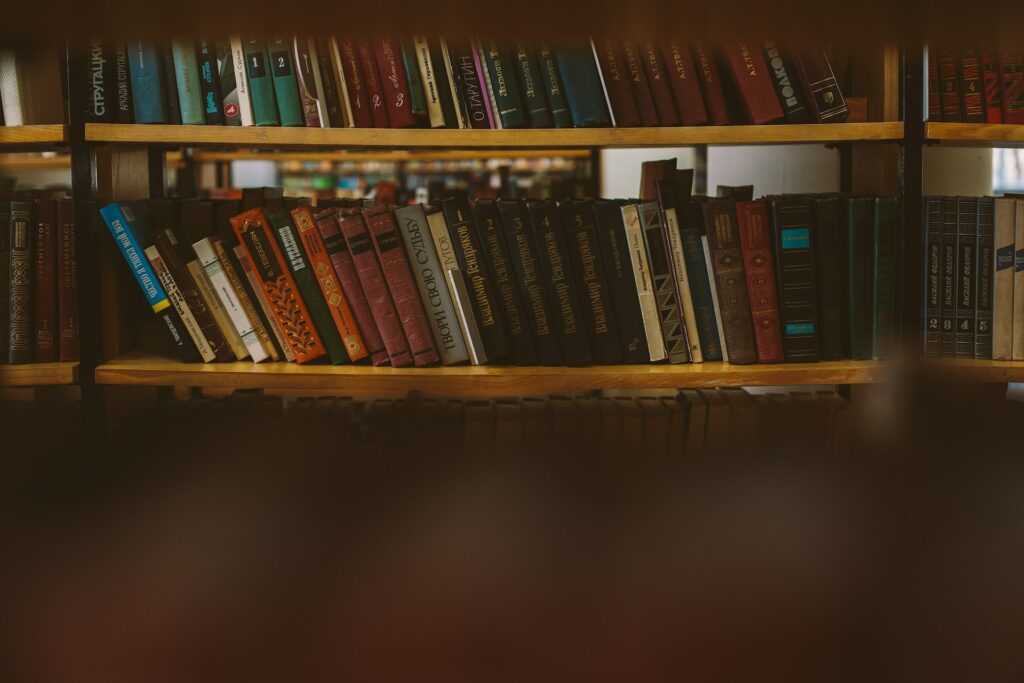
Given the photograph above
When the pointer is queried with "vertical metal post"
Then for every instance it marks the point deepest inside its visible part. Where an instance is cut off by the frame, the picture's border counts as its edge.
(910, 284)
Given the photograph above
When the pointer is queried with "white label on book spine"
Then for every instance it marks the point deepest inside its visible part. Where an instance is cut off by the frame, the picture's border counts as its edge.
(229, 299)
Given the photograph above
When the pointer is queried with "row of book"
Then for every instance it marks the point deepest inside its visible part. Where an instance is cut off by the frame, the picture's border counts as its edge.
(676, 278)
(976, 86)
(439, 83)
(38, 285)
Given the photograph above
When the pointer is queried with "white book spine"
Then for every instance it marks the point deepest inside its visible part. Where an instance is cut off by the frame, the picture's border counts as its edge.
(261, 299)
(644, 286)
(675, 249)
(342, 85)
(714, 298)
(229, 299)
(430, 91)
(178, 301)
(241, 82)
(206, 290)
(10, 89)
(453, 84)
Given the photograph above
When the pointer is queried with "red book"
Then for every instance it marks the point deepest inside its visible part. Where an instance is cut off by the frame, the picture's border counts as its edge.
(972, 88)
(934, 101)
(368, 67)
(616, 81)
(394, 84)
(993, 94)
(404, 290)
(657, 78)
(355, 86)
(67, 279)
(638, 83)
(750, 73)
(682, 76)
(756, 242)
(360, 246)
(1011, 86)
(46, 332)
(710, 85)
(948, 85)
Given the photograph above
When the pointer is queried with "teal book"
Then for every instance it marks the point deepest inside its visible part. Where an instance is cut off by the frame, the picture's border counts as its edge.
(508, 101)
(417, 100)
(286, 88)
(584, 89)
(883, 296)
(186, 72)
(553, 90)
(147, 82)
(261, 85)
(534, 100)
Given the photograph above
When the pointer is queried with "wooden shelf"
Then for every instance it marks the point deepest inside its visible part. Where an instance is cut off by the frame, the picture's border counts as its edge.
(985, 134)
(147, 369)
(385, 156)
(38, 374)
(353, 138)
(33, 136)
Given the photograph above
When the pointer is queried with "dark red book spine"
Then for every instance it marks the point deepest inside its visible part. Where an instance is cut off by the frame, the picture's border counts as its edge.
(710, 85)
(616, 81)
(1012, 86)
(948, 85)
(67, 282)
(638, 84)
(756, 242)
(934, 89)
(990, 79)
(360, 246)
(394, 83)
(404, 291)
(750, 73)
(972, 99)
(371, 78)
(355, 86)
(682, 76)
(657, 78)
(46, 334)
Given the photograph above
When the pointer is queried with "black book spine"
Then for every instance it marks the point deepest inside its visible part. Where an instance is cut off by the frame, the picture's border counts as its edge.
(122, 84)
(984, 281)
(332, 98)
(101, 82)
(472, 262)
(949, 278)
(585, 253)
(933, 277)
(488, 222)
(966, 266)
(209, 82)
(794, 241)
(557, 269)
(783, 74)
(611, 233)
(21, 340)
(170, 83)
(444, 84)
(829, 272)
(536, 301)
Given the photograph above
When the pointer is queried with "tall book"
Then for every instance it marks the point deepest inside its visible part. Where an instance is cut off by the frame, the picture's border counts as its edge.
(820, 85)
(228, 84)
(756, 241)
(884, 280)
(984, 282)
(177, 299)
(100, 79)
(45, 334)
(417, 97)
(243, 88)
(1011, 85)
(122, 83)
(260, 297)
(21, 332)
(535, 101)
(726, 256)
(255, 233)
(310, 86)
(645, 287)
(261, 83)
(622, 286)
(657, 78)
(971, 87)
(704, 303)
(186, 73)
(67, 281)
(949, 288)
(207, 291)
(948, 84)
(710, 85)
(480, 62)
(429, 77)
(553, 87)
(508, 99)
(336, 67)
(783, 76)
(673, 326)
(166, 57)
(651, 173)
(1018, 280)
(1002, 287)
(934, 89)
(966, 274)
(583, 88)
(472, 99)
(933, 275)
(147, 86)
(682, 76)
(5, 280)
(358, 94)
(557, 268)
(754, 83)
(209, 83)
(371, 78)
(795, 242)
(492, 238)
(643, 100)
(394, 84)
(990, 81)
(284, 77)
(229, 300)
(461, 300)
(668, 199)
(244, 293)
(448, 84)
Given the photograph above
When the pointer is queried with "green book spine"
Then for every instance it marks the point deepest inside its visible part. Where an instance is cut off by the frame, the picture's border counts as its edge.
(552, 82)
(261, 85)
(886, 220)
(186, 72)
(857, 228)
(534, 99)
(505, 84)
(417, 101)
(286, 89)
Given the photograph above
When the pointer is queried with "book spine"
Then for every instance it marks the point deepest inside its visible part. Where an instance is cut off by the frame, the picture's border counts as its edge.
(229, 301)
(935, 88)
(727, 262)
(261, 297)
(643, 99)
(970, 85)
(147, 84)
(123, 109)
(583, 89)
(432, 92)
(417, 96)
(1018, 280)
(710, 85)
(21, 332)
(966, 275)
(984, 282)
(244, 298)
(782, 74)
(795, 239)
(1002, 295)
(228, 86)
(950, 97)
(261, 84)
(340, 84)
(329, 89)
(253, 231)
(209, 83)
(394, 84)
(10, 89)
(67, 291)
(657, 78)
(821, 87)
(713, 286)
(553, 88)
(322, 269)
(186, 73)
(990, 79)
(677, 263)
(884, 281)
(1011, 85)
(371, 78)
(682, 76)
(243, 97)
(286, 91)
(5, 280)
(756, 242)
(378, 296)
(616, 83)
(622, 286)
(451, 100)
(645, 288)
(933, 277)
(467, 322)
(700, 292)
(100, 109)
(359, 98)
(307, 73)
(177, 300)
(170, 84)
(949, 288)
(508, 100)
(45, 282)
(534, 100)
(673, 329)
(208, 293)
(493, 122)
(434, 292)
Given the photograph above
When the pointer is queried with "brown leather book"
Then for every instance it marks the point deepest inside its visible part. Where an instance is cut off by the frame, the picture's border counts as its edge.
(617, 83)
(710, 85)
(394, 83)
(822, 89)
(682, 76)
(371, 78)
(67, 282)
(642, 97)
(730, 282)
(355, 85)
(46, 282)
(657, 78)
(756, 241)
(750, 74)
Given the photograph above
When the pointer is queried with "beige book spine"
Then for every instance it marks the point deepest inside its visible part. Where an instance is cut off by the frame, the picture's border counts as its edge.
(1018, 280)
(1002, 294)
(675, 249)
(429, 78)
(339, 78)
(644, 286)
(244, 301)
(220, 316)
(178, 301)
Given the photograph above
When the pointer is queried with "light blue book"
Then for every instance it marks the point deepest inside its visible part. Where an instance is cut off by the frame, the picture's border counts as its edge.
(147, 82)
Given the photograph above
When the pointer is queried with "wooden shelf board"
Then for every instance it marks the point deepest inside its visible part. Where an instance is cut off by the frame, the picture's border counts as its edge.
(38, 374)
(33, 136)
(994, 134)
(384, 156)
(522, 138)
(142, 368)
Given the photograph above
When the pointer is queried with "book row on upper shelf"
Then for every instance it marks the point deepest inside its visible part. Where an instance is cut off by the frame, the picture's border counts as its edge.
(976, 86)
(441, 83)
(668, 277)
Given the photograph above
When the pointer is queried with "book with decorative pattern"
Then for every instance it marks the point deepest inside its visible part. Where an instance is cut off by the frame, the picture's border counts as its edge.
(726, 256)
(984, 282)
(673, 327)
(67, 281)
(794, 236)
(45, 337)
(394, 85)
(966, 274)
(756, 242)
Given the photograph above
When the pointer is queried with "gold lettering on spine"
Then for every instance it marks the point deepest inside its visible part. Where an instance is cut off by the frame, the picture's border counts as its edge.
(473, 273)
(589, 261)
(558, 280)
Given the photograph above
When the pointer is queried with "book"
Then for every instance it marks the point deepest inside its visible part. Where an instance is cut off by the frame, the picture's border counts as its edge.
(21, 251)
(100, 80)
(535, 101)
(820, 86)
(645, 287)
(753, 82)
(122, 83)
(795, 241)
(467, 322)
(431, 80)
(700, 284)
(671, 221)
(176, 298)
(147, 87)
(186, 72)
(949, 288)
(394, 84)
(228, 85)
(621, 80)
(948, 82)
(471, 96)
(966, 275)
(971, 87)
(169, 80)
(933, 274)
(558, 103)
(990, 82)
(983, 316)
(1011, 85)
(208, 293)
(682, 76)
(1018, 280)
(417, 97)
(245, 296)
(1005, 219)
(884, 277)
(622, 281)
(713, 286)
(44, 284)
(261, 83)
(243, 89)
(673, 326)
(284, 77)
(710, 85)
(756, 241)
(828, 268)
(480, 63)
(355, 85)
(584, 91)
(211, 100)
(229, 301)
(372, 80)
(726, 257)
(934, 89)
(261, 298)
(657, 78)
(784, 80)
(335, 67)
(508, 99)
(308, 82)
(651, 173)
(67, 282)
(448, 84)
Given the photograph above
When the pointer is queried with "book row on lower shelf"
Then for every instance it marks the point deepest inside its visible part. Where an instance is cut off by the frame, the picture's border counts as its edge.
(460, 83)
(38, 285)
(677, 279)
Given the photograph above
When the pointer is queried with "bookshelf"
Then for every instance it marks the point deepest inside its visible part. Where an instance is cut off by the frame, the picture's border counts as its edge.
(994, 134)
(38, 374)
(14, 138)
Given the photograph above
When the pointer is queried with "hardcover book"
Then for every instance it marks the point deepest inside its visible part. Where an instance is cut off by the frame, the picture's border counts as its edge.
(668, 200)
(206, 290)
(508, 101)
(358, 95)
(726, 256)
(432, 83)
(67, 281)
(243, 91)
(704, 299)
(828, 267)
(754, 83)
(934, 89)
(784, 80)
(949, 288)
(682, 76)
(371, 78)
(795, 241)
(286, 91)
(100, 79)
(147, 86)
(417, 98)
(228, 85)
(948, 82)
(657, 78)
(307, 78)
(966, 275)
(673, 327)
(1018, 280)
(710, 85)
(553, 88)
(261, 84)
(122, 84)
(472, 99)
(1011, 86)
(990, 75)
(884, 281)
(394, 84)
(642, 98)
(186, 72)
(971, 87)
(243, 292)
(534, 99)
(583, 88)
(173, 103)
(337, 69)
(756, 242)
(264, 302)
(21, 331)
(174, 295)
(45, 337)
(820, 85)
(493, 121)
(984, 283)
(448, 84)
(211, 101)
(933, 275)
(229, 300)
(1002, 290)
(712, 285)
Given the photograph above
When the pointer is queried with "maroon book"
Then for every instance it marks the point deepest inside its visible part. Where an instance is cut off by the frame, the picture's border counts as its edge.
(682, 76)
(616, 81)
(934, 103)
(46, 334)
(950, 99)
(756, 242)
(394, 83)
(404, 290)
(371, 78)
(710, 85)
(638, 82)
(993, 95)
(754, 83)
(972, 96)
(345, 270)
(355, 86)
(67, 281)
(657, 78)
(360, 246)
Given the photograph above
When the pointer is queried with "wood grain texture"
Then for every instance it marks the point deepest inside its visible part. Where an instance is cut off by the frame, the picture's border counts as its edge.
(38, 374)
(172, 136)
(994, 134)
(142, 368)
(387, 156)
(33, 136)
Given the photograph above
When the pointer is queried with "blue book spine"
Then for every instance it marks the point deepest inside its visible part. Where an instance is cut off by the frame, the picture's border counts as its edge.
(186, 72)
(584, 89)
(120, 225)
(147, 83)
(700, 292)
